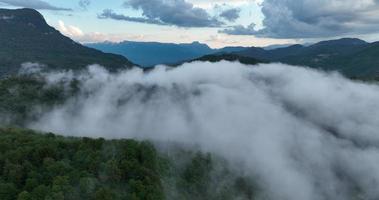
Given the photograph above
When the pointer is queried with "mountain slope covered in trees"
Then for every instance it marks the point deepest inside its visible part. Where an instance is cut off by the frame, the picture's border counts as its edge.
(39, 166)
(46, 166)
(228, 57)
(352, 57)
(26, 37)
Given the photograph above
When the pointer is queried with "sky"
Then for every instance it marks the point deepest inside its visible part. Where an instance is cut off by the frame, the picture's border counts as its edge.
(217, 23)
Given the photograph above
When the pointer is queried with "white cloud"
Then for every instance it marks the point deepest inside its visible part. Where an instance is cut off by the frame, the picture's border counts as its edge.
(69, 30)
(79, 35)
(304, 134)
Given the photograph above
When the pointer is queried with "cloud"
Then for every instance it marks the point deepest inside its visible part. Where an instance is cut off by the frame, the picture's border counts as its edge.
(110, 14)
(240, 30)
(70, 31)
(231, 14)
(84, 3)
(35, 4)
(314, 19)
(168, 12)
(209, 4)
(79, 35)
(304, 134)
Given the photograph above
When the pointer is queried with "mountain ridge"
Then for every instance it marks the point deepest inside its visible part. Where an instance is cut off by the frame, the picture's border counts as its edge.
(43, 44)
(156, 52)
(149, 54)
(350, 56)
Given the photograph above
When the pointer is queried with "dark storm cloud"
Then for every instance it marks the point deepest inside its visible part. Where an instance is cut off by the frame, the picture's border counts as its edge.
(314, 19)
(35, 4)
(170, 12)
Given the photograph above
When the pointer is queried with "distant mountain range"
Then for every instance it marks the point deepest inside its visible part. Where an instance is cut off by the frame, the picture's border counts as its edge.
(350, 56)
(148, 54)
(26, 37)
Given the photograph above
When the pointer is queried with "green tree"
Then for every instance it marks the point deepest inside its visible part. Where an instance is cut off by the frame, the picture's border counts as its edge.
(24, 196)
(8, 191)
(104, 194)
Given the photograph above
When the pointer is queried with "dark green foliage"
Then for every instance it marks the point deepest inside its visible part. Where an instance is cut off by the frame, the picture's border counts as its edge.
(45, 166)
(20, 95)
(38, 166)
(26, 37)
(199, 176)
(8, 191)
(229, 57)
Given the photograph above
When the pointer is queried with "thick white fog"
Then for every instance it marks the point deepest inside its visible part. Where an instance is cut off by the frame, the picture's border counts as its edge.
(304, 134)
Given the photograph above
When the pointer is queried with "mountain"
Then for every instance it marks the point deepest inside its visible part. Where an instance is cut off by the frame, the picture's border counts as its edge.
(276, 46)
(350, 56)
(368, 59)
(26, 37)
(230, 49)
(149, 54)
(228, 57)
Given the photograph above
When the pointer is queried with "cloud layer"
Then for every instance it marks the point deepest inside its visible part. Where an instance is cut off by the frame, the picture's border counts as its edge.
(166, 12)
(314, 19)
(35, 4)
(304, 134)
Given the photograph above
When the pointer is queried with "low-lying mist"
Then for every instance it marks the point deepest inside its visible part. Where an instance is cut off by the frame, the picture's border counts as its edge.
(304, 134)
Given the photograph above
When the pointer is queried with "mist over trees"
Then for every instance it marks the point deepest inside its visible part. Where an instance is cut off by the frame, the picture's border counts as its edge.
(46, 166)
(238, 131)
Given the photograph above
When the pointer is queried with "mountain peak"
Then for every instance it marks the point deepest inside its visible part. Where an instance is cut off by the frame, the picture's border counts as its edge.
(26, 37)
(342, 41)
(26, 16)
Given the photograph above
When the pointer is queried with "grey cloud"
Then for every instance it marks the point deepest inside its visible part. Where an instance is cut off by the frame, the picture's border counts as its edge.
(304, 134)
(172, 12)
(35, 4)
(84, 3)
(231, 14)
(314, 19)
(240, 30)
(110, 14)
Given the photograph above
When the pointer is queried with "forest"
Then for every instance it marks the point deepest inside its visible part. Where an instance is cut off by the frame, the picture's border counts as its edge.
(46, 166)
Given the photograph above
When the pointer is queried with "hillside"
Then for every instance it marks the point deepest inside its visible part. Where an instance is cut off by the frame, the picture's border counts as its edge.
(37, 166)
(229, 57)
(350, 56)
(46, 166)
(26, 37)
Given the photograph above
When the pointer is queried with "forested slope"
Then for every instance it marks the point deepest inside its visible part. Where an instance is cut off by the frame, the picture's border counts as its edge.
(44, 166)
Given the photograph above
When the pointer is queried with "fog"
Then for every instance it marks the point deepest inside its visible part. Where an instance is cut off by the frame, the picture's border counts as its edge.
(304, 134)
